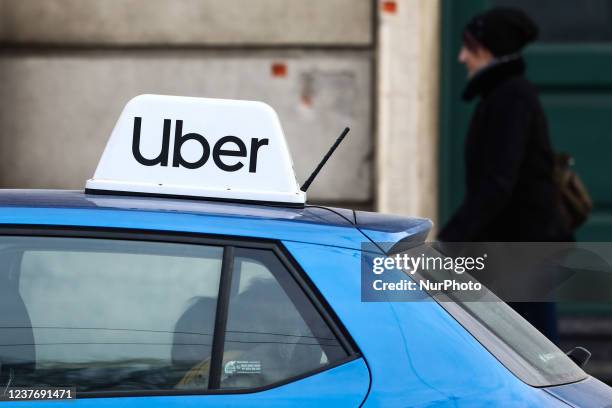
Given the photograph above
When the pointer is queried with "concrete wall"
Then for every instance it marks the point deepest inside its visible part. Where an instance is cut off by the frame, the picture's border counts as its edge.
(59, 109)
(69, 66)
(194, 22)
(407, 112)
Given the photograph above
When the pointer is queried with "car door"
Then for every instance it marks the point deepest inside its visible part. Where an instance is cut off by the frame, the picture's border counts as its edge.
(130, 319)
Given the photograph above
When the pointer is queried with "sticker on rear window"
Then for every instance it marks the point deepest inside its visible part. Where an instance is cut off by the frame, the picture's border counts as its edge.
(242, 367)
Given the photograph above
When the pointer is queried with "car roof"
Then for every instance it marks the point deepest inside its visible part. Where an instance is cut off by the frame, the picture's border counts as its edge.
(320, 220)
(80, 200)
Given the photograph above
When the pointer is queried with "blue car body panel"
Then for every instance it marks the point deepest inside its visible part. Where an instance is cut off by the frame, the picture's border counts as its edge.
(417, 353)
(345, 385)
(388, 232)
(414, 353)
(310, 224)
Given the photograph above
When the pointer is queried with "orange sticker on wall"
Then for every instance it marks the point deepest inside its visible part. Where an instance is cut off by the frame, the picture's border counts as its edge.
(279, 69)
(389, 7)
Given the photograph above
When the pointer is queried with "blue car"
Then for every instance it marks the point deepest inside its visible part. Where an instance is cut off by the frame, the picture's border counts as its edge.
(154, 293)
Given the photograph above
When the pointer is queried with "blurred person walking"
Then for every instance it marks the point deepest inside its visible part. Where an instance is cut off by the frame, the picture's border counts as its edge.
(511, 195)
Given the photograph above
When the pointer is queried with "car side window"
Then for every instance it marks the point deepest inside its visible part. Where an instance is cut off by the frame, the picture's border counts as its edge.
(124, 315)
(273, 331)
(105, 315)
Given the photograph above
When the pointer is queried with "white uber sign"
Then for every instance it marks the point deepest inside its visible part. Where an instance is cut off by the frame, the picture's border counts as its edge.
(198, 147)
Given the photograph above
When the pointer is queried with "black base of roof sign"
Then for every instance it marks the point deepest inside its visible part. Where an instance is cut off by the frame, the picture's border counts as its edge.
(188, 197)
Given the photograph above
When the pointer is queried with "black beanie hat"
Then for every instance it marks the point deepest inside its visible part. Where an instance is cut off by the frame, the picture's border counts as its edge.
(503, 30)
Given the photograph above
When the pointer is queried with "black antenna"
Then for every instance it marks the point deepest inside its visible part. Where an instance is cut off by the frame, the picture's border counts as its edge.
(331, 151)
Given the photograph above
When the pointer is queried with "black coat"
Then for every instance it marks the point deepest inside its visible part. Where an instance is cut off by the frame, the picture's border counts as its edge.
(510, 192)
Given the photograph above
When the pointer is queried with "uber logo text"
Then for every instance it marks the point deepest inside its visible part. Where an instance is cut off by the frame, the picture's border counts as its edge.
(218, 151)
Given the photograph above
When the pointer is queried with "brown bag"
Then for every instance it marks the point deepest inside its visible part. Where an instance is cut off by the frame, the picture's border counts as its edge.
(576, 203)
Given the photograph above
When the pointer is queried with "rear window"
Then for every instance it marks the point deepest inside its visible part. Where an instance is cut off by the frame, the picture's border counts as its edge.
(123, 315)
(101, 314)
(516, 343)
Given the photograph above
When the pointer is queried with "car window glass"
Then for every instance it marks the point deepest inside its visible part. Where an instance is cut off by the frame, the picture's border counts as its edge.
(106, 314)
(526, 352)
(273, 331)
